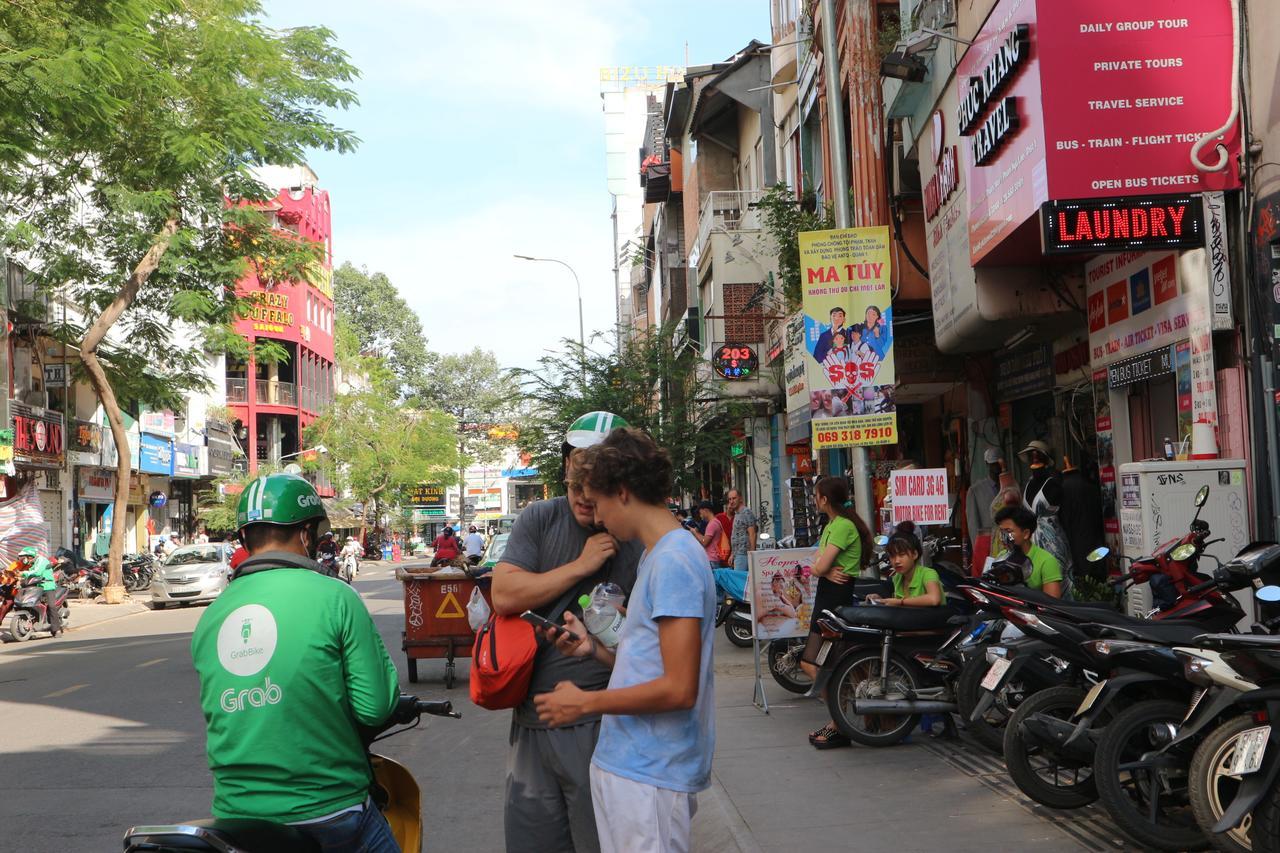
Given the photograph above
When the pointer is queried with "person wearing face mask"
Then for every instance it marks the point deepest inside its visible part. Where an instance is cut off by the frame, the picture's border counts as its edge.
(290, 663)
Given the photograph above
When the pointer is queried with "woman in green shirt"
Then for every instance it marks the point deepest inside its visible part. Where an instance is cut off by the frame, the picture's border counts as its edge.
(843, 552)
(914, 585)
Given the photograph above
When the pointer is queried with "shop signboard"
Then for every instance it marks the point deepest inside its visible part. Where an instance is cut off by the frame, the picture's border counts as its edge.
(1141, 368)
(96, 485)
(221, 447)
(1215, 245)
(781, 589)
(1090, 99)
(848, 336)
(794, 380)
(1122, 224)
(186, 460)
(426, 495)
(155, 455)
(38, 439)
(1024, 373)
(85, 437)
(158, 423)
(920, 495)
(1136, 302)
(1106, 450)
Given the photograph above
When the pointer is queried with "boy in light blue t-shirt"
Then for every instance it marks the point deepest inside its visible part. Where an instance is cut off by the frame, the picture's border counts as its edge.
(658, 732)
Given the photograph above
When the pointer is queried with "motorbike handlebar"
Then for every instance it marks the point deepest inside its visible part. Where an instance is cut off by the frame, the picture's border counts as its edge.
(1201, 587)
(440, 708)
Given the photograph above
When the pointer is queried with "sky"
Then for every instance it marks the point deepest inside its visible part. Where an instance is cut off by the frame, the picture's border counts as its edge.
(482, 137)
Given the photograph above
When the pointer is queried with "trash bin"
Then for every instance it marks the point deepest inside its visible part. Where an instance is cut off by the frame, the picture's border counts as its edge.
(435, 618)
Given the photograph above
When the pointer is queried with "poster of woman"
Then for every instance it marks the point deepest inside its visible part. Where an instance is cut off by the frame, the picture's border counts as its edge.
(782, 592)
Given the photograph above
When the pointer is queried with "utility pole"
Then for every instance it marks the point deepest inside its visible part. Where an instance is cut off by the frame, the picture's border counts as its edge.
(840, 195)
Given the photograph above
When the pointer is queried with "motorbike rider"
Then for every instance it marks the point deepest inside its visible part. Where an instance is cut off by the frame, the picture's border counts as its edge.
(290, 665)
(32, 565)
(446, 546)
(474, 546)
(352, 551)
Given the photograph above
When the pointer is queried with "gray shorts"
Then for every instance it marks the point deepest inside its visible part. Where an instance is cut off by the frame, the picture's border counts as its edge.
(548, 806)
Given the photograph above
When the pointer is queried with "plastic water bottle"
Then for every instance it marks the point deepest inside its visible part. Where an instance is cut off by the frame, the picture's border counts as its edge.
(601, 615)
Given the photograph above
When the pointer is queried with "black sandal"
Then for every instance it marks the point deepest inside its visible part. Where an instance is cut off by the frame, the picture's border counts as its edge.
(830, 738)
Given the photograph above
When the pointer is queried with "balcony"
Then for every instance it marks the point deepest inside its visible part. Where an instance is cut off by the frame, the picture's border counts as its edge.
(273, 393)
(237, 390)
(727, 211)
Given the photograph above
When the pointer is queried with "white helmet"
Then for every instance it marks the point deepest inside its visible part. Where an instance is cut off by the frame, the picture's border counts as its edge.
(592, 428)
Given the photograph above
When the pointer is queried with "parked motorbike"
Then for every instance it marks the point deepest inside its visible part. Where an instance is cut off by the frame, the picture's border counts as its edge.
(29, 613)
(395, 792)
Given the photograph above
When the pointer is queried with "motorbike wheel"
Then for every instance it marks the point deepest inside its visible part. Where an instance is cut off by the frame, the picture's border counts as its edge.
(130, 581)
(784, 665)
(64, 612)
(1039, 772)
(1212, 788)
(1150, 804)
(858, 676)
(738, 632)
(21, 626)
(1264, 831)
(988, 729)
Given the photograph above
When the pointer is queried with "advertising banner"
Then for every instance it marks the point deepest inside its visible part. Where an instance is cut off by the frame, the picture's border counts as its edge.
(920, 495)
(781, 590)
(96, 485)
(426, 495)
(186, 460)
(1137, 302)
(155, 455)
(848, 336)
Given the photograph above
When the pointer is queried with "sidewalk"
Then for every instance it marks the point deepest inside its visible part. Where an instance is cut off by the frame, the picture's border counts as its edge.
(771, 791)
(86, 613)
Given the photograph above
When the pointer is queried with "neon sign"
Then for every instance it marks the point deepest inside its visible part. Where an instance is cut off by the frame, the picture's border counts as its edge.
(1122, 224)
(735, 361)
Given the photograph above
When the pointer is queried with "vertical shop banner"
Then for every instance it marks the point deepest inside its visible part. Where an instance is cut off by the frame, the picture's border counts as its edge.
(781, 591)
(1106, 450)
(848, 336)
(920, 496)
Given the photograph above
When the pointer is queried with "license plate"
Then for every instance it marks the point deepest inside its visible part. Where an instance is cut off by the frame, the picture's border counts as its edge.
(1250, 746)
(823, 651)
(991, 680)
(1089, 698)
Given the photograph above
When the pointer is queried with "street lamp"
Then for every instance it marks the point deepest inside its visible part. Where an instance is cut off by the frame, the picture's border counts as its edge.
(319, 448)
(582, 338)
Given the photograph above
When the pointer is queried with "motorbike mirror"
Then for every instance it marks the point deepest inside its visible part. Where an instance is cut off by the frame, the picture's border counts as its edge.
(1269, 594)
(1098, 554)
(882, 541)
(1184, 552)
(1202, 495)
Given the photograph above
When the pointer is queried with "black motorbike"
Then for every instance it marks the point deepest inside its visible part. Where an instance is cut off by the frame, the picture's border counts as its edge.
(30, 613)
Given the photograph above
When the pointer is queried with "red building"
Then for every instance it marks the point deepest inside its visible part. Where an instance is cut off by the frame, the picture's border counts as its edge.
(273, 402)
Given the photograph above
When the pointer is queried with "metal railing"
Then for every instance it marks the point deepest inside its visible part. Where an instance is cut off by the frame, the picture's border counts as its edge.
(727, 210)
(274, 393)
(237, 390)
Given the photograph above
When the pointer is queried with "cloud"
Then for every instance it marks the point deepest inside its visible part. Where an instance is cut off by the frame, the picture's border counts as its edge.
(458, 273)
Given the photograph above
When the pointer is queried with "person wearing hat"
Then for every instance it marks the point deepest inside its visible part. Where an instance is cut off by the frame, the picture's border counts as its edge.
(32, 565)
(446, 547)
(556, 553)
(1043, 496)
(977, 504)
(291, 666)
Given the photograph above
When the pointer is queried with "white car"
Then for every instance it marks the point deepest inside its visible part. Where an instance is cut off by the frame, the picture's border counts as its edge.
(190, 574)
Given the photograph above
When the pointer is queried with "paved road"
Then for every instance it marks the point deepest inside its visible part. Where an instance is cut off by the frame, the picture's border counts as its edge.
(103, 730)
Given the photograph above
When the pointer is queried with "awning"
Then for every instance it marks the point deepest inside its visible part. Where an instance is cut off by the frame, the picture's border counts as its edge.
(340, 514)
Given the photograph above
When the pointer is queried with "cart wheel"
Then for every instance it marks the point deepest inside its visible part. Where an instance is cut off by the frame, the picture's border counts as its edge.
(413, 670)
(448, 676)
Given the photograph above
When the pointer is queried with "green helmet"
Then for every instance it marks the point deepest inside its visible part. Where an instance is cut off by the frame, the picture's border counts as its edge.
(29, 551)
(282, 499)
(592, 428)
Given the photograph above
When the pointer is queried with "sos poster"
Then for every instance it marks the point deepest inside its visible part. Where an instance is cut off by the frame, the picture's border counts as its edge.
(848, 336)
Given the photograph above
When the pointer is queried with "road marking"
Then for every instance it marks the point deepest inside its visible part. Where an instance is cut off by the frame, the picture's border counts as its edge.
(151, 663)
(64, 691)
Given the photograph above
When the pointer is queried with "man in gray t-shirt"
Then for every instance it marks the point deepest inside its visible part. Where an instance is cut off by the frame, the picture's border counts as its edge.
(745, 528)
(554, 555)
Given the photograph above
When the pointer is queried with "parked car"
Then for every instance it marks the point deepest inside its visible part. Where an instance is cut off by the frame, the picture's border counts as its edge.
(190, 574)
(494, 552)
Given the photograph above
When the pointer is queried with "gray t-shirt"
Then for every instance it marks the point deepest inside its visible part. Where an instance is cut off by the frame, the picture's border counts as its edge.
(738, 539)
(545, 537)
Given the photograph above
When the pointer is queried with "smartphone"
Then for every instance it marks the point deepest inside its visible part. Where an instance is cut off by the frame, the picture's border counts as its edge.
(539, 622)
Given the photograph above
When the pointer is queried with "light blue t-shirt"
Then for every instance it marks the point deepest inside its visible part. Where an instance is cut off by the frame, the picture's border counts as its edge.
(670, 750)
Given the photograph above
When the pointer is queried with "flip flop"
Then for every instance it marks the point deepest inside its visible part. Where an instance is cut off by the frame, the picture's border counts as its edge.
(834, 740)
(825, 731)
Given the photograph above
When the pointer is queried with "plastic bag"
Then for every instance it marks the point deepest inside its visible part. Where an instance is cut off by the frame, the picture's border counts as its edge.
(477, 610)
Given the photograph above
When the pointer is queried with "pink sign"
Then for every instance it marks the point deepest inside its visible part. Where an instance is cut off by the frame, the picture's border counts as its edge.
(1089, 99)
(1128, 89)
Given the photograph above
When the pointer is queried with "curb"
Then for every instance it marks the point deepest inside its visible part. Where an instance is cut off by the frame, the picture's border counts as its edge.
(743, 840)
(141, 608)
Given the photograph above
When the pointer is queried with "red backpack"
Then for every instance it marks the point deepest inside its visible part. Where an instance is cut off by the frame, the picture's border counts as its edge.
(502, 662)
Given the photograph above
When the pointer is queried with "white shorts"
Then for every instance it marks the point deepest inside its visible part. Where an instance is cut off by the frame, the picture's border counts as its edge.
(632, 817)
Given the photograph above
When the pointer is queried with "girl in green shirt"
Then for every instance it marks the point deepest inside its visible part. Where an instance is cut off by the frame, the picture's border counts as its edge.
(914, 585)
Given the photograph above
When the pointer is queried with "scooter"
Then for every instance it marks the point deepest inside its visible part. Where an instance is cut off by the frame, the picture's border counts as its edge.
(395, 792)
(29, 612)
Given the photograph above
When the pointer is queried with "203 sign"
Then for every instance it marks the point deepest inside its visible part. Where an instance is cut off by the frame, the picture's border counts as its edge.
(735, 361)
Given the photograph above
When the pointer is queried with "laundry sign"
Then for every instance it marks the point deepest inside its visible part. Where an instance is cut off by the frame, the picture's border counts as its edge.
(920, 495)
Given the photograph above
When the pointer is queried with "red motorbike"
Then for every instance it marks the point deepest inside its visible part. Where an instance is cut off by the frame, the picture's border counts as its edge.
(28, 613)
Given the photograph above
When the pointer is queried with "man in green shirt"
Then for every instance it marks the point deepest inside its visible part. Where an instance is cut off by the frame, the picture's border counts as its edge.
(1046, 571)
(290, 663)
(32, 565)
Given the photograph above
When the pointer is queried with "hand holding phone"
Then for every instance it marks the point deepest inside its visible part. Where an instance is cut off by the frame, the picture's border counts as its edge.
(552, 629)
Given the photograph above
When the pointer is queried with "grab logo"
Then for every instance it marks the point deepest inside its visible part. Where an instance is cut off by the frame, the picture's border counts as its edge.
(233, 700)
(305, 501)
(247, 640)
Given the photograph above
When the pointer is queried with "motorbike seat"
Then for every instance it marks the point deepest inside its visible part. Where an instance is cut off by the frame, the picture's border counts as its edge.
(1266, 642)
(216, 834)
(898, 618)
(1035, 596)
(1165, 633)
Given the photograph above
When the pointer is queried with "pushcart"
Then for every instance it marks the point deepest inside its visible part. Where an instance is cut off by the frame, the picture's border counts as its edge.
(435, 618)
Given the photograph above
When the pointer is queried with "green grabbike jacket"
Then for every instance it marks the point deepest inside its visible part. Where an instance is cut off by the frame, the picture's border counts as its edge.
(289, 663)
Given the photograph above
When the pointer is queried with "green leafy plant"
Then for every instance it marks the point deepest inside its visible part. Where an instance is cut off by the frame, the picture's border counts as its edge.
(784, 217)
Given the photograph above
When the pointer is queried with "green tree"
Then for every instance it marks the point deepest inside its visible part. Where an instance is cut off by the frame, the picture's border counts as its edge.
(649, 383)
(132, 128)
(377, 447)
(784, 217)
(372, 318)
(482, 397)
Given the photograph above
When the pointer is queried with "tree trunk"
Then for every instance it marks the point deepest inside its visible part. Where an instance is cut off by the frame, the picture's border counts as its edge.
(93, 338)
